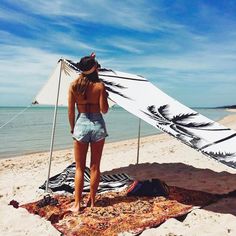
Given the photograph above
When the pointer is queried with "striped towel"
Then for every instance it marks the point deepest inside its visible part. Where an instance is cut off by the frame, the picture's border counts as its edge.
(64, 181)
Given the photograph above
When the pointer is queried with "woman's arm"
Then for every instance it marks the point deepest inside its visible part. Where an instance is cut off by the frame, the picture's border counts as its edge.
(103, 103)
(71, 108)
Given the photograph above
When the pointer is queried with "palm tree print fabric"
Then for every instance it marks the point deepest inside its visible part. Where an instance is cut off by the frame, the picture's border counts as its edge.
(141, 98)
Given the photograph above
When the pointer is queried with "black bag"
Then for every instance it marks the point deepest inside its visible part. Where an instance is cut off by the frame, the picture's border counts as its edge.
(150, 188)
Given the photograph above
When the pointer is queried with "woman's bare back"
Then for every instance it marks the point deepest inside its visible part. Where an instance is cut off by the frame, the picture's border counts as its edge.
(94, 100)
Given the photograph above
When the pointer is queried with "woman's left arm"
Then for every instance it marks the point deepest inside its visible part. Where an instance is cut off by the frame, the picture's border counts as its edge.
(103, 99)
(71, 108)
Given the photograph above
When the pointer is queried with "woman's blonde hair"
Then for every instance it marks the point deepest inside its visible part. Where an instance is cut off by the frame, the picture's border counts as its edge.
(80, 85)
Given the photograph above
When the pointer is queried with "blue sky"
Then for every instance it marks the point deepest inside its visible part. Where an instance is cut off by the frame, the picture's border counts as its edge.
(186, 48)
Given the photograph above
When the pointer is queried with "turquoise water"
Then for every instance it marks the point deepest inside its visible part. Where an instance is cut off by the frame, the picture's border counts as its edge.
(31, 131)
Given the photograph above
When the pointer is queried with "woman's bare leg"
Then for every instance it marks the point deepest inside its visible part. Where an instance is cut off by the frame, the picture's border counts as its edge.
(80, 152)
(96, 154)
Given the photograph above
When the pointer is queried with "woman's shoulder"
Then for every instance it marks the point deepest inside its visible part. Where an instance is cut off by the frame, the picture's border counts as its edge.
(74, 83)
(100, 85)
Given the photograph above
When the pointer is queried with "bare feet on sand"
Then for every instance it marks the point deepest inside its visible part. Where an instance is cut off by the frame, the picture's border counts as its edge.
(90, 203)
(74, 208)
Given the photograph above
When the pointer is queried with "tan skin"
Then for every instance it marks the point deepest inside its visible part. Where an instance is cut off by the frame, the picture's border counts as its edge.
(96, 101)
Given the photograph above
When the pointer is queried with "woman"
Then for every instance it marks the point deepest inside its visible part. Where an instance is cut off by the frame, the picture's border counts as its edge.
(89, 95)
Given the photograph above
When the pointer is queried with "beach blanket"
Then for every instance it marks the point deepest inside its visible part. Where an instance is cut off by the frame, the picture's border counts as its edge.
(117, 213)
(64, 181)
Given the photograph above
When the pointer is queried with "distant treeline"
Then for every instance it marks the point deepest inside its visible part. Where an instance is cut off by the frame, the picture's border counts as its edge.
(221, 107)
(228, 107)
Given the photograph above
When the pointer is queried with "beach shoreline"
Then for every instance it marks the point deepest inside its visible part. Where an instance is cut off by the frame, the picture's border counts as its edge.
(231, 110)
(23, 155)
(161, 156)
(34, 127)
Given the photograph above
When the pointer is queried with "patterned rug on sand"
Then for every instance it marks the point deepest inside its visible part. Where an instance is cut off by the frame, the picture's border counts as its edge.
(116, 213)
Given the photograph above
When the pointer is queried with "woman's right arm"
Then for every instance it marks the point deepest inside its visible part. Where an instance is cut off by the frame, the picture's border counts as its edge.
(71, 108)
(103, 103)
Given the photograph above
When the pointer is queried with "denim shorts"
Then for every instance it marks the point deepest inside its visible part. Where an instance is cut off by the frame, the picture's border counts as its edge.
(89, 127)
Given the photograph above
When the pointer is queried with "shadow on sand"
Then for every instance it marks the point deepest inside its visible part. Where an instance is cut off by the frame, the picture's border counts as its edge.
(188, 177)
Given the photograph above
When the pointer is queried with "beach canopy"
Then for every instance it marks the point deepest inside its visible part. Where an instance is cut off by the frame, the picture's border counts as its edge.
(141, 98)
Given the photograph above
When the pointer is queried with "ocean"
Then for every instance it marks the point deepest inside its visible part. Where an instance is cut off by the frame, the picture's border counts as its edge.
(30, 132)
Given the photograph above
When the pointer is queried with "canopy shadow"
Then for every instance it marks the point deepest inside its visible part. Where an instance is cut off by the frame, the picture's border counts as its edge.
(189, 177)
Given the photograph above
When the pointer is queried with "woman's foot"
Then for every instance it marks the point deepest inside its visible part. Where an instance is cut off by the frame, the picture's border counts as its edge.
(90, 203)
(75, 208)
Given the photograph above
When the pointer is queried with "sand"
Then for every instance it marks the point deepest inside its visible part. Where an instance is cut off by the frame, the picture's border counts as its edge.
(161, 156)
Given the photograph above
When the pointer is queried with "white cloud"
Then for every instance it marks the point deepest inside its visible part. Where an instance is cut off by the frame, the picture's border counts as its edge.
(16, 17)
(137, 15)
(25, 67)
(149, 42)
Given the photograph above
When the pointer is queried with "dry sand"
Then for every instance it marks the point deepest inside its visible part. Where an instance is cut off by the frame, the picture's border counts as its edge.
(161, 156)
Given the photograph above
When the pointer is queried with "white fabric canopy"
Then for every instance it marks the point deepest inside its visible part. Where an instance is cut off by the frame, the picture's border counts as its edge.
(141, 98)
(48, 94)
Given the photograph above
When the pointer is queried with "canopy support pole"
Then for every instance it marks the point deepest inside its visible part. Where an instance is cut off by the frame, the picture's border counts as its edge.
(53, 129)
(139, 129)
